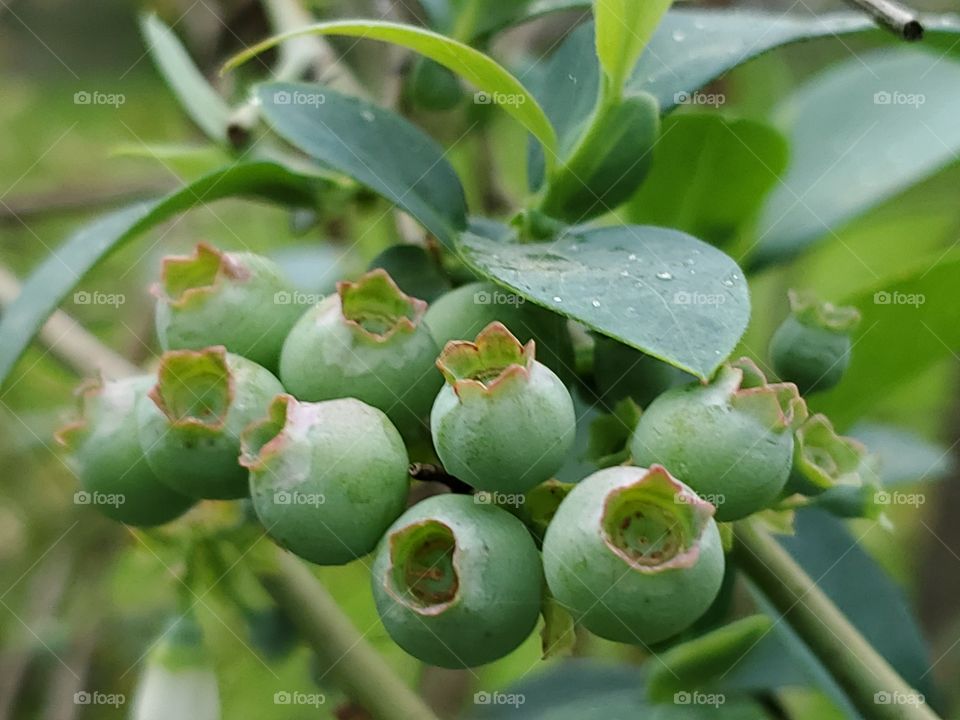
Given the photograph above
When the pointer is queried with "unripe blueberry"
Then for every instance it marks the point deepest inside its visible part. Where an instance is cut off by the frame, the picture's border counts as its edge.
(822, 459)
(191, 421)
(114, 476)
(366, 341)
(326, 479)
(457, 583)
(730, 440)
(621, 371)
(462, 313)
(503, 421)
(812, 346)
(236, 299)
(634, 554)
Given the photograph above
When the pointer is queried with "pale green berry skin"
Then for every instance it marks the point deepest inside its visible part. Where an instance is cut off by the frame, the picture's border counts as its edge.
(606, 594)
(325, 357)
(108, 459)
(815, 358)
(462, 313)
(509, 439)
(498, 590)
(248, 308)
(203, 462)
(723, 453)
(326, 479)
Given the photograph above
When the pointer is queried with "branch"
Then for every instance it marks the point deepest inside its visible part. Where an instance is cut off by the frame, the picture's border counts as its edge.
(360, 670)
(860, 671)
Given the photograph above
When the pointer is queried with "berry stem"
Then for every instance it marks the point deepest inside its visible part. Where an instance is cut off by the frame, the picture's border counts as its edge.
(861, 672)
(360, 670)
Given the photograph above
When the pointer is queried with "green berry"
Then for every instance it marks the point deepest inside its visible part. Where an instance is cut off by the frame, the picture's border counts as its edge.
(731, 440)
(326, 479)
(457, 583)
(431, 86)
(114, 475)
(191, 421)
(634, 554)
(462, 313)
(366, 341)
(503, 421)
(239, 300)
(812, 346)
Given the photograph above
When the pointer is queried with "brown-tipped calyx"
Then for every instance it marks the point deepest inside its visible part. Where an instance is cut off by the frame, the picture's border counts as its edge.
(186, 277)
(195, 388)
(809, 310)
(423, 573)
(778, 406)
(494, 360)
(377, 308)
(73, 432)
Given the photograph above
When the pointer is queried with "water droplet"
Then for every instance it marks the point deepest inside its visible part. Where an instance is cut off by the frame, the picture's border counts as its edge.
(625, 273)
(631, 256)
(664, 275)
(595, 303)
(728, 283)
(557, 299)
(699, 25)
(689, 261)
(679, 36)
(367, 115)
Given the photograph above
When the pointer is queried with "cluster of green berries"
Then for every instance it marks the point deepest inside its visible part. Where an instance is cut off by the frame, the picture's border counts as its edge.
(310, 414)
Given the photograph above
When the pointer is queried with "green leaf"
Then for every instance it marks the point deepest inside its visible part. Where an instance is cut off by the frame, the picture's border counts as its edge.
(916, 313)
(700, 662)
(859, 134)
(709, 175)
(623, 28)
(481, 70)
(200, 101)
(610, 434)
(375, 147)
(414, 270)
(49, 284)
(187, 161)
(904, 456)
(658, 290)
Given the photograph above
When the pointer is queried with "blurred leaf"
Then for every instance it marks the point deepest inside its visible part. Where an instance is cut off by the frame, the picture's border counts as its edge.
(373, 146)
(859, 134)
(916, 313)
(481, 18)
(200, 101)
(698, 663)
(904, 456)
(610, 434)
(658, 290)
(479, 69)
(187, 161)
(414, 270)
(623, 28)
(709, 175)
(49, 284)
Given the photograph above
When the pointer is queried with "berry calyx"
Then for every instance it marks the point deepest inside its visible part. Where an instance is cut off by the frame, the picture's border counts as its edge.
(191, 422)
(327, 478)
(366, 341)
(811, 348)
(236, 299)
(106, 455)
(730, 440)
(503, 421)
(634, 554)
(823, 459)
(457, 583)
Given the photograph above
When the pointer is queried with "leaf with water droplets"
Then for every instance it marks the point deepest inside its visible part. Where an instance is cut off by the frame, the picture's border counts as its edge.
(633, 283)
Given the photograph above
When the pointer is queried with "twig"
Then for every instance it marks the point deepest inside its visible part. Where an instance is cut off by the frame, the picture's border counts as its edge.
(71, 200)
(428, 472)
(900, 20)
(68, 340)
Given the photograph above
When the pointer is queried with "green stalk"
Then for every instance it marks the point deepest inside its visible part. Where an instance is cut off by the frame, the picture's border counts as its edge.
(860, 671)
(358, 668)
